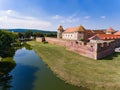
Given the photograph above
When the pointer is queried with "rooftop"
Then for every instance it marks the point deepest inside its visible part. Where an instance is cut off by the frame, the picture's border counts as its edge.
(73, 29)
(105, 37)
(117, 33)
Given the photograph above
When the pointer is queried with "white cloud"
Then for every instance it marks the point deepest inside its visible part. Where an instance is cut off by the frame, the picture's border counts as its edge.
(65, 21)
(103, 17)
(12, 19)
(57, 17)
(9, 12)
(70, 19)
(87, 17)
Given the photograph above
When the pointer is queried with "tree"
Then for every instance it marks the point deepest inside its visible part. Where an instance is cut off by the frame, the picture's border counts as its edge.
(21, 35)
(6, 40)
(38, 34)
(28, 34)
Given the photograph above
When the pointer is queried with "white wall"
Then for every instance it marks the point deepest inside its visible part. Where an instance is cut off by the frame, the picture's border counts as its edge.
(69, 36)
(72, 36)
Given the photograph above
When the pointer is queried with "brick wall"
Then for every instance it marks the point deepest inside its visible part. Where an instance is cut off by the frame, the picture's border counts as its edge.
(78, 47)
(91, 50)
(105, 49)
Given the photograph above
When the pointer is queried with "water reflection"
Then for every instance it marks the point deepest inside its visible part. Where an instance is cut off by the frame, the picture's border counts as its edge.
(5, 77)
(7, 64)
(31, 73)
(23, 77)
(5, 82)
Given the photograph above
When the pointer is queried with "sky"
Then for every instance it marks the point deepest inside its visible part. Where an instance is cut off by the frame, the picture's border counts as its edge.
(49, 14)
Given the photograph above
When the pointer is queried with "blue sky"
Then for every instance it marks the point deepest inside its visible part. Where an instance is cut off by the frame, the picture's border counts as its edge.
(49, 14)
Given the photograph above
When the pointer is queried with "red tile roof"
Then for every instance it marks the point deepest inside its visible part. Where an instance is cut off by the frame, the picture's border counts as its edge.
(117, 33)
(73, 29)
(105, 36)
(96, 31)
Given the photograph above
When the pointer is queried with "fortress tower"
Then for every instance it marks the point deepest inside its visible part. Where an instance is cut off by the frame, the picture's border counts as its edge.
(59, 32)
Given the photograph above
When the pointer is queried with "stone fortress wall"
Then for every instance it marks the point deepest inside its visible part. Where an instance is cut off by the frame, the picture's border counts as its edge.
(91, 50)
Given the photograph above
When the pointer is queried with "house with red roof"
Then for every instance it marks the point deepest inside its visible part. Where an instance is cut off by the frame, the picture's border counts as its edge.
(72, 33)
(77, 33)
(105, 38)
(93, 36)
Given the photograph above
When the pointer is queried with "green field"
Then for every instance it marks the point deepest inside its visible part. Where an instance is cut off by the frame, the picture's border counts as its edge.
(78, 70)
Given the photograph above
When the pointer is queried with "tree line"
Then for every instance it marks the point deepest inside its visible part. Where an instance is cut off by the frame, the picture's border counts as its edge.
(29, 33)
(8, 40)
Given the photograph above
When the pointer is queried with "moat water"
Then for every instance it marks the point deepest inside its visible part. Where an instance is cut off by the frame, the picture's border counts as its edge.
(31, 73)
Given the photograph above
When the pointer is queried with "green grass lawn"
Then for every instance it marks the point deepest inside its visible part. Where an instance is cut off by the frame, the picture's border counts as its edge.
(78, 70)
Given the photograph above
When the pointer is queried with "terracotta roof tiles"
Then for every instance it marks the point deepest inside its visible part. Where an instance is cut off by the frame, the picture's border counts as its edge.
(73, 29)
(105, 36)
(117, 33)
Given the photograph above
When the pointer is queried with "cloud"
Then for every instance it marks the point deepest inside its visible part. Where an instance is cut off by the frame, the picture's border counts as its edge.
(87, 17)
(70, 19)
(17, 23)
(57, 17)
(12, 19)
(65, 21)
(103, 17)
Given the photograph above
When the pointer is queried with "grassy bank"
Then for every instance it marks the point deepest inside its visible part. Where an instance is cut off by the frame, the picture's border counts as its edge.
(6, 65)
(78, 70)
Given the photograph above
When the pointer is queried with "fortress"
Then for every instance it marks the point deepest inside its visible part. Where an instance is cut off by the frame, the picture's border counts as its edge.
(95, 44)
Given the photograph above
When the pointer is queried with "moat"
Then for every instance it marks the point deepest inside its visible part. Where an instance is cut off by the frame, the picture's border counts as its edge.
(31, 73)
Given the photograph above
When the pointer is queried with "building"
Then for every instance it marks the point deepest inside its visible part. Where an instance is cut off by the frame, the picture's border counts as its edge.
(95, 44)
(77, 33)
(105, 38)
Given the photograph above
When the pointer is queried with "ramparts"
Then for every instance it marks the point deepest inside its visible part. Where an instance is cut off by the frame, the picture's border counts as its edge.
(91, 50)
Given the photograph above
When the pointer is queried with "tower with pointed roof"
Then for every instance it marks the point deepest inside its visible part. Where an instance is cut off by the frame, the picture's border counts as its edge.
(59, 32)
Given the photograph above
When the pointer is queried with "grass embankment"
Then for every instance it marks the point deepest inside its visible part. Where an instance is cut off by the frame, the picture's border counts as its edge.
(79, 70)
(6, 65)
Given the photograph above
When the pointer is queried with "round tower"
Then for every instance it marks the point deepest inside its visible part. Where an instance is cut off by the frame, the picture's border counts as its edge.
(59, 32)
